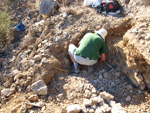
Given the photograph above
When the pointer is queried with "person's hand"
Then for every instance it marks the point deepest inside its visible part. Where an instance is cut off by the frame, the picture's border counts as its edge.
(103, 57)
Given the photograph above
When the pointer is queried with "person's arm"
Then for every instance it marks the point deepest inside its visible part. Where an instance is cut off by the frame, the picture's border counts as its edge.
(102, 53)
(102, 58)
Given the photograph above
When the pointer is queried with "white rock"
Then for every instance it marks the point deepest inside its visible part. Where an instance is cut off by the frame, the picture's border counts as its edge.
(90, 110)
(60, 96)
(142, 41)
(147, 37)
(106, 96)
(32, 62)
(61, 78)
(15, 71)
(134, 31)
(140, 30)
(128, 98)
(94, 90)
(116, 107)
(33, 98)
(44, 60)
(87, 102)
(65, 14)
(40, 45)
(43, 42)
(73, 108)
(37, 57)
(57, 39)
(42, 51)
(69, 17)
(5, 92)
(143, 25)
(39, 87)
(37, 104)
(103, 109)
(41, 23)
(12, 59)
(138, 36)
(96, 100)
(88, 93)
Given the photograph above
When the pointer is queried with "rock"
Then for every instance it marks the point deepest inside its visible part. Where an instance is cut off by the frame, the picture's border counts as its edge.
(63, 110)
(105, 75)
(61, 96)
(37, 57)
(33, 98)
(113, 84)
(47, 7)
(61, 78)
(103, 109)
(88, 93)
(134, 31)
(100, 77)
(73, 108)
(142, 41)
(128, 98)
(139, 92)
(44, 60)
(21, 56)
(147, 37)
(50, 98)
(37, 104)
(96, 100)
(87, 102)
(32, 62)
(106, 96)
(116, 107)
(129, 87)
(117, 74)
(13, 59)
(39, 87)
(5, 92)
(138, 36)
(40, 45)
(131, 91)
(94, 90)
(65, 15)
(90, 110)
(15, 71)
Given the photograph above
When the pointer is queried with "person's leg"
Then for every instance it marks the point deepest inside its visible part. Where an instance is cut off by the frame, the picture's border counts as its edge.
(71, 50)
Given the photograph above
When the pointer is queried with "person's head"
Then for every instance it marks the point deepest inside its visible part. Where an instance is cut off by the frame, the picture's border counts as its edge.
(102, 32)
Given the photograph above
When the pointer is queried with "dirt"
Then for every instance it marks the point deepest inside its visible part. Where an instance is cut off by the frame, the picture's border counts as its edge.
(66, 88)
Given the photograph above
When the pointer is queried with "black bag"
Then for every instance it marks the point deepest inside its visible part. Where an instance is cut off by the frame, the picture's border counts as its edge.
(112, 6)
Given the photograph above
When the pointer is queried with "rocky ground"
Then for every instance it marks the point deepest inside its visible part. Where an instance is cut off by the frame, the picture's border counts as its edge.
(36, 71)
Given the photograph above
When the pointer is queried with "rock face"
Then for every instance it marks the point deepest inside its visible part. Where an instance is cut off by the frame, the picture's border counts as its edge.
(135, 54)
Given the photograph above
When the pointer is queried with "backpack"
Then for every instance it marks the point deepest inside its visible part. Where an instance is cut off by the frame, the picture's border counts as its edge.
(112, 6)
(108, 6)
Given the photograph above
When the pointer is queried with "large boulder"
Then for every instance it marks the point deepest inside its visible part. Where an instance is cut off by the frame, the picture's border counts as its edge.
(48, 7)
(134, 55)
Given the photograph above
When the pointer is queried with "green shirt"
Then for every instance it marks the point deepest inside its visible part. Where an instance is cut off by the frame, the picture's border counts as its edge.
(90, 46)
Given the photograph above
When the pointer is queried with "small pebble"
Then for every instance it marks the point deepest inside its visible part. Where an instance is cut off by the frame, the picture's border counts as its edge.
(128, 98)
